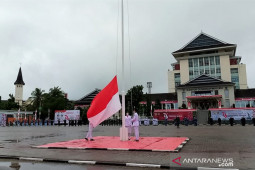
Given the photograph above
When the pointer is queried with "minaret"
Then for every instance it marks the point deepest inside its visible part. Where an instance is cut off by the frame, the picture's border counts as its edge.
(19, 88)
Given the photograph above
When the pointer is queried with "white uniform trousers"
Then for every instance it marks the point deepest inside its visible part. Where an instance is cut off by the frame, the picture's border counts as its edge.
(129, 131)
(89, 134)
(136, 128)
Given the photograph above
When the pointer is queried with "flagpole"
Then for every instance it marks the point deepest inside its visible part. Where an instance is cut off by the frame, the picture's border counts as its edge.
(123, 129)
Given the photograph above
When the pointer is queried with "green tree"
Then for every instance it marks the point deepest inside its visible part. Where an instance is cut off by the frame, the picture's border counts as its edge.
(11, 104)
(133, 97)
(54, 100)
(49, 102)
(37, 96)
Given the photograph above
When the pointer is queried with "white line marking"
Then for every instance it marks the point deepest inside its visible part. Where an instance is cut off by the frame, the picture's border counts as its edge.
(82, 162)
(31, 159)
(76, 148)
(120, 149)
(143, 165)
(161, 150)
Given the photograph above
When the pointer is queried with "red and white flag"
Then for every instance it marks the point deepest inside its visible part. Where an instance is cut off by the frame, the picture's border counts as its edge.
(105, 104)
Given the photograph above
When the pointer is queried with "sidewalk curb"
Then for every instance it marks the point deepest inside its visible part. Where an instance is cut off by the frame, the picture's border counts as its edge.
(81, 162)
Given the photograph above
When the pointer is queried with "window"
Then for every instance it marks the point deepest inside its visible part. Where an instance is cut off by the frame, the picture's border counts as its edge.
(177, 75)
(212, 61)
(234, 79)
(183, 95)
(217, 60)
(234, 70)
(195, 60)
(190, 63)
(204, 65)
(227, 103)
(212, 70)
(206, 61)
(202, 71)
(196, 72)
(191, 72)
(192, 93)
(226, 93)
(218, 70)
(207, 71)
(216, 92)
(201, 61)
(177, 79)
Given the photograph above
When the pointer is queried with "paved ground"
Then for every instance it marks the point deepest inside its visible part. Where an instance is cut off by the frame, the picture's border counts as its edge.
(225, 142)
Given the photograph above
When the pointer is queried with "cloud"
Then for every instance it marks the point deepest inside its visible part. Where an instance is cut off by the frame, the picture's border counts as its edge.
(73, 44)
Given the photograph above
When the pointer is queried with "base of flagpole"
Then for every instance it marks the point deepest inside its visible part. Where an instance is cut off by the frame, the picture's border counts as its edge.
(123, 134)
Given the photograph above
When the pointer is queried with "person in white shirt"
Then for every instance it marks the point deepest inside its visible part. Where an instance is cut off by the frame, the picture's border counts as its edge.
(89, 134)
(135, 121)
(128, 124)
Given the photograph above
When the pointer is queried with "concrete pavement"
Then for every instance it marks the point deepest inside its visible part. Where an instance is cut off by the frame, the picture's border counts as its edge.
(206, 142)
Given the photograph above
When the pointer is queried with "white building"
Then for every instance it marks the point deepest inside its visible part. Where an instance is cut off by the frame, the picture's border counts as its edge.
(206, 73)
(19, 83)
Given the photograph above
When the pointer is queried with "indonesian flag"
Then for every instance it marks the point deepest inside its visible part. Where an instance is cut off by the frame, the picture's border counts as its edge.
(105, 104)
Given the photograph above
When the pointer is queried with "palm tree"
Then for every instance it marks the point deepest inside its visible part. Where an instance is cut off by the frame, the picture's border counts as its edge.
(37, 96)
(56, 92)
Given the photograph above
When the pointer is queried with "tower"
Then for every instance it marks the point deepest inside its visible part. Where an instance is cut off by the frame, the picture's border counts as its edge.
(19, 83)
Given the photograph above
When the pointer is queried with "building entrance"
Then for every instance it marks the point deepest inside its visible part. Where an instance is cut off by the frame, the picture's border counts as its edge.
(204, 102)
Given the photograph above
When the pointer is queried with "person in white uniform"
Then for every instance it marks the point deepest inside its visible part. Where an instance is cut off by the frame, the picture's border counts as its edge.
(89, 134)
(128, 124)
(135, 121)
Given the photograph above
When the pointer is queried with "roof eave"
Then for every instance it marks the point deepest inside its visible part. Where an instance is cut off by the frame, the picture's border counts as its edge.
(206, 49)
(208, 85)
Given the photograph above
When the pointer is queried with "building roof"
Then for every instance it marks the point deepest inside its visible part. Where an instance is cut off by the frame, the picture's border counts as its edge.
(87, 99)
(204, 80)
(203, 41)
(244, 93)
(19, 78)
(162, 96)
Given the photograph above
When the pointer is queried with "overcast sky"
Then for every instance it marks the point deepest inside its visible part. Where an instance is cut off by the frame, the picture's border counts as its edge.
(73, 43)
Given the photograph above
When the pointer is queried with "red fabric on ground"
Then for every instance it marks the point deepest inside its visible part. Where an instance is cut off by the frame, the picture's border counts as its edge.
(113, 142)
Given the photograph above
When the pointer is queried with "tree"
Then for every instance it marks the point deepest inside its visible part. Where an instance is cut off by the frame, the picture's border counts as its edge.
(49, 102)
(136, 94)
(11, 105)
(37, 96)
(54, 100)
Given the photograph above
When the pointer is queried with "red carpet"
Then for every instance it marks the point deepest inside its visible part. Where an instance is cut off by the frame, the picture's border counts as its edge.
(173, 144)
